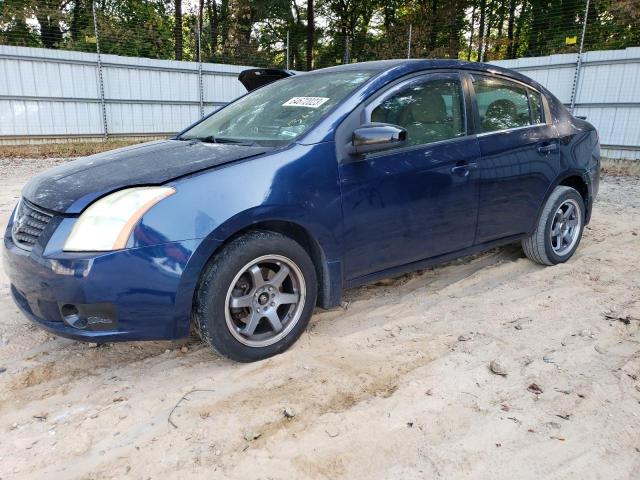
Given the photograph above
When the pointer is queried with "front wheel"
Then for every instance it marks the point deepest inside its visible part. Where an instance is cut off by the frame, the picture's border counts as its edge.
(256, 296)
(559, 229)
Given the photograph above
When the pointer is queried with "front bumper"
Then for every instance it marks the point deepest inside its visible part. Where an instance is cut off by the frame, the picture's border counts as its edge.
(132, 294)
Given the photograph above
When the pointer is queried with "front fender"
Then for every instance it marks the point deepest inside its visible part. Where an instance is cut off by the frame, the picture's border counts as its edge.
(298, 185)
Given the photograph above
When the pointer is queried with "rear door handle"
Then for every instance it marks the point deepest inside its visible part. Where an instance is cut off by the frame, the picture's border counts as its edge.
(462, 168)
(548, 147)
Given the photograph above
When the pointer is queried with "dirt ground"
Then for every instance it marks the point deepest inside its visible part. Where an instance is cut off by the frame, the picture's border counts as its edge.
(397, 385)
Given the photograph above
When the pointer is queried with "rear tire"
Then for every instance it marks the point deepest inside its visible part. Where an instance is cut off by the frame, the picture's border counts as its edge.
(255, 296)
(559, 228)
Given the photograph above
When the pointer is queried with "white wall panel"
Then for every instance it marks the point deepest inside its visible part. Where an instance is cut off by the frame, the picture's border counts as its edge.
(56, 93)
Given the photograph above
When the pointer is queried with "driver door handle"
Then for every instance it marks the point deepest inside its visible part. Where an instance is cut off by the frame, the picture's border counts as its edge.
(548, 147)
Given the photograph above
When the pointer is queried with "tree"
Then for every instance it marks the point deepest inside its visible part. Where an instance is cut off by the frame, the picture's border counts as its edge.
(252, 32)
(481, 31)
(212, 13)
(177, 29)
(310, 34)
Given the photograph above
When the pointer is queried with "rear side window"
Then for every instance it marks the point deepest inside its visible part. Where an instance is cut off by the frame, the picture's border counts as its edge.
(536, 107)
(430, 109)
(501, 104)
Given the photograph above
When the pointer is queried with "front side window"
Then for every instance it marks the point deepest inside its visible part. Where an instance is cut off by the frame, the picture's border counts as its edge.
(280, 112)
(430, 110)
(501, 104)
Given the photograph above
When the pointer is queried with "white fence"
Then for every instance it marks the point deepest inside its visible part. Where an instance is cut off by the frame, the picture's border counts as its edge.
(47, 94)
(607, 92)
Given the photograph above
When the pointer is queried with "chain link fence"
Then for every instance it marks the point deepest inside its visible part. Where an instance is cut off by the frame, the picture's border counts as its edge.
(310, 34)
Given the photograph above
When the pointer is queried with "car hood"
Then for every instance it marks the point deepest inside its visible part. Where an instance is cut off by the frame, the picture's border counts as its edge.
(69, 188)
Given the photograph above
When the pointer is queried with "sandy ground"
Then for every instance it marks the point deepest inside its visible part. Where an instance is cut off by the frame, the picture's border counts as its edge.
(396, 386)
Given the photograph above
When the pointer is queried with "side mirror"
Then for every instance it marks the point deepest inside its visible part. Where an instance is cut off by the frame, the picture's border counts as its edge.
(375, 137)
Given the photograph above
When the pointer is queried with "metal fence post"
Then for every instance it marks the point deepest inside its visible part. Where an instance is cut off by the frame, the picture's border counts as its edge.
(100, 78)
(483, 42)
(409, 45)
(200, 83)
(576, 76)
(347, 54)
(287, 49)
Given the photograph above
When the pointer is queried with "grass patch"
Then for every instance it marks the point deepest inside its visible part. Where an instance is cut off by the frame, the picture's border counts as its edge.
(63, 150)
(621, 167)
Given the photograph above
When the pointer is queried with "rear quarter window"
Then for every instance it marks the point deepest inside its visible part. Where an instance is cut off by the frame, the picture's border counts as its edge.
(536, 107)
(501, 104)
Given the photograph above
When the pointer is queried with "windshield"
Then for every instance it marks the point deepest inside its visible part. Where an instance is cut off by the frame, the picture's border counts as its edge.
(279, 112)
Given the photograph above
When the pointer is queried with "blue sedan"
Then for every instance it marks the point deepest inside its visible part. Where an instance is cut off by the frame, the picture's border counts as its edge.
(306, 186)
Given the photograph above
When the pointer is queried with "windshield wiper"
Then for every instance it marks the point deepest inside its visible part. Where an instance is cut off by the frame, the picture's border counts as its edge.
(233, 140)
(207, 139)
(212, 139)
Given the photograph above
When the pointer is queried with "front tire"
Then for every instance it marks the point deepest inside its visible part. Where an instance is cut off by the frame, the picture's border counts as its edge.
(559, 228)
(256, 296)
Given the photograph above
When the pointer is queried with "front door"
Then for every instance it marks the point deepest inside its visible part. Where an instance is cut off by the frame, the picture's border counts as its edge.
(418, 201)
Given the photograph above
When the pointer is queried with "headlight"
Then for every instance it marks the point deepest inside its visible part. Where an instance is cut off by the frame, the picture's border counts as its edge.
(107, 223)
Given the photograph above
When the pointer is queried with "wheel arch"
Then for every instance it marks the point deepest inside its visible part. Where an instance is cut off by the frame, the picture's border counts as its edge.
(577, 182)
(576, 179)
(308, 241)
(329, 273)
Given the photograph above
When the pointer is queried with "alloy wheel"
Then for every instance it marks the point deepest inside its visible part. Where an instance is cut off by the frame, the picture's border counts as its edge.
(265, 300)
(565, 227)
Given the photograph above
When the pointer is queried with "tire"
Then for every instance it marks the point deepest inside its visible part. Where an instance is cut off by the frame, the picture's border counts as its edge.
(546, 247)
(243, 296)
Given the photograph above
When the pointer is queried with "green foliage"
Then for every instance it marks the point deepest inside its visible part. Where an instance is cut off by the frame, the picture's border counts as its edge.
(254, 32)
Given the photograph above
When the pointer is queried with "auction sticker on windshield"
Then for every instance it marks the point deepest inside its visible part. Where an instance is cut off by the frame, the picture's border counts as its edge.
(309, 102)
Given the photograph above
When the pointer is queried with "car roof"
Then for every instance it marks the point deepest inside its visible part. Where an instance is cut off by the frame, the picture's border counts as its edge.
(400, 67)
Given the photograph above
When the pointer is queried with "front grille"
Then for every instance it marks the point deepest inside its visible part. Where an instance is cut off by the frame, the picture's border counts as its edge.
(28, 225)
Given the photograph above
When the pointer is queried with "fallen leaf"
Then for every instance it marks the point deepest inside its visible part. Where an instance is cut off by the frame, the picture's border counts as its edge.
(534, 388)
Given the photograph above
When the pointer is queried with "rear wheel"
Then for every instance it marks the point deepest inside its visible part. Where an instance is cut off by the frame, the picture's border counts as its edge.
(559, 229)
(256, 296)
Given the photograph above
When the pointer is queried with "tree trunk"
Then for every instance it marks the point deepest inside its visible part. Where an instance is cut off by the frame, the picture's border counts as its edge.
(510, 25)
(500, 27)
(240, 32)
(224, 20)
(79, 20)
(537, 29)
(483, 11)
(519, 24)
(456, 25)
(200, 21)
(177, 29)
(310, 34)
(433, 32)
(212, 10)
(50, 32)
(473, 26)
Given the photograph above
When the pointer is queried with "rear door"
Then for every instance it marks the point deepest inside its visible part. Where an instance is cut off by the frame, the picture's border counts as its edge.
(519, 156)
